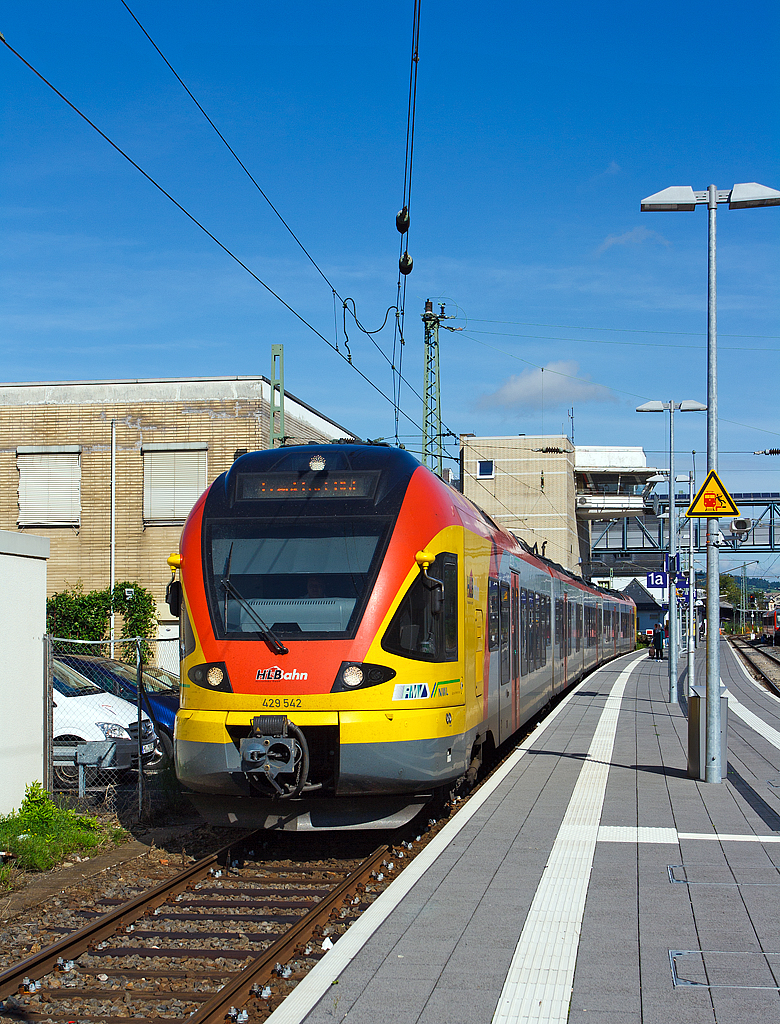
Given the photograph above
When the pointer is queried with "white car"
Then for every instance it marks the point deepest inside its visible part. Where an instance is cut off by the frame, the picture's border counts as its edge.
(84, 713)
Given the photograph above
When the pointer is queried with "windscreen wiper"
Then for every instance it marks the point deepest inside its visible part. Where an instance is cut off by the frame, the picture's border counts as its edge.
(267, 634)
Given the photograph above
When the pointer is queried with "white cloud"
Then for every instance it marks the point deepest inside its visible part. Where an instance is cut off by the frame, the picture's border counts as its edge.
(634, 237)
(560, 383)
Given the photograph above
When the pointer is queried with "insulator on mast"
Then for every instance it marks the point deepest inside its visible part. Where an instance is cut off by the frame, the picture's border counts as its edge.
(402, 220)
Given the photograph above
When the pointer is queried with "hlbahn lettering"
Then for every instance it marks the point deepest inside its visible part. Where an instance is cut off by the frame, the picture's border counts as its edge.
(276, 673)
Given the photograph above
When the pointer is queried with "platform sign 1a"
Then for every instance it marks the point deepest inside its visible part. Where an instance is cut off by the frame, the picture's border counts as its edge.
(657, 579)
(712, 500)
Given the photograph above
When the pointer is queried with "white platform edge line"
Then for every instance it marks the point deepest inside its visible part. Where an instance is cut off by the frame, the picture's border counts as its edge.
(308, 992)
(542, 991)
(670, 836)
(764, 692)
(756, 723)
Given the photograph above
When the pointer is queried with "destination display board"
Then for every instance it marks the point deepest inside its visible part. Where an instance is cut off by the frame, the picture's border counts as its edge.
(281, 486)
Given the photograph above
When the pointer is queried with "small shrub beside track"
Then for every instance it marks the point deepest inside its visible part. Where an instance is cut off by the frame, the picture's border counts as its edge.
(41, 834)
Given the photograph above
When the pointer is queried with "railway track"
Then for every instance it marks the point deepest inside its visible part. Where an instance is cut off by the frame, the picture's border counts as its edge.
(223, 939)
(765, 662)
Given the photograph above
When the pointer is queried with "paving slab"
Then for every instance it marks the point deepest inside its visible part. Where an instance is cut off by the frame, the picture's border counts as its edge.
(552, 898)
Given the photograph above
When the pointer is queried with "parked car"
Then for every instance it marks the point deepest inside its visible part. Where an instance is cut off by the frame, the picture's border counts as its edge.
(82, 713)
(160, 689)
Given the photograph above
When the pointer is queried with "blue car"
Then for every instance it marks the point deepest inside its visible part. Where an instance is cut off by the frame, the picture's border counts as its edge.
(160, 689)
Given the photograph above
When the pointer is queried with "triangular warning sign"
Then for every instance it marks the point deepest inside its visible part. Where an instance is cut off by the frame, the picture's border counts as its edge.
(712, 501)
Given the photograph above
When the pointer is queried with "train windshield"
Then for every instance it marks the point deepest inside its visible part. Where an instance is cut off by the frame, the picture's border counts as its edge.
(298, 579)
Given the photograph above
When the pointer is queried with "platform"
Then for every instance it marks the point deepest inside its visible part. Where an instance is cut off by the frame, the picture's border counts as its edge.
(590, 880)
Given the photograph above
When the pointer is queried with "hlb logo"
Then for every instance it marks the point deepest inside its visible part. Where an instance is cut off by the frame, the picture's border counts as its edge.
(276, 673)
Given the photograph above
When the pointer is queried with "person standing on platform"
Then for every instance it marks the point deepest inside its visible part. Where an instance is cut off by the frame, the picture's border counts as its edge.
(658, 642)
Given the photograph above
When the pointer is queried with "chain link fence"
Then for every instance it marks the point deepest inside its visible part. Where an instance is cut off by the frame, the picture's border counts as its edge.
(108, 727)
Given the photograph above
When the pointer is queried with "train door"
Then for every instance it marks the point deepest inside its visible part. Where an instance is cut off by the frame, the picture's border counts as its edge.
(479, 647)
(514, 640)
(506, 701)
(565, 637)
(579, 630)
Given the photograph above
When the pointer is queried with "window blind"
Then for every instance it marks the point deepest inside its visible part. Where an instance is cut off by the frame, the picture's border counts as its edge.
(49, 489)
(173, 482)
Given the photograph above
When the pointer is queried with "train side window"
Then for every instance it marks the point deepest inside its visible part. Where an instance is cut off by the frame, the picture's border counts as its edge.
(504, 631)
(450, 578)
(415, 632)
(493, 615)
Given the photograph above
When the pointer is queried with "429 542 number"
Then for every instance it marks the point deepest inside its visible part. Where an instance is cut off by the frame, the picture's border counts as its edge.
(281, 702)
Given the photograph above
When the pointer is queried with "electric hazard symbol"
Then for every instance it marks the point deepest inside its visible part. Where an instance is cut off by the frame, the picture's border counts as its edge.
(712, 501)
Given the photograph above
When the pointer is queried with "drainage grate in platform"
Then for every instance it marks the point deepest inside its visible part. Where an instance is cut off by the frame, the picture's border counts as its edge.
(716, 874)
(714, 968)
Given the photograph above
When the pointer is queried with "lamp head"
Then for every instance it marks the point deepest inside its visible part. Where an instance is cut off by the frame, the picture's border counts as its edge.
(651, 407)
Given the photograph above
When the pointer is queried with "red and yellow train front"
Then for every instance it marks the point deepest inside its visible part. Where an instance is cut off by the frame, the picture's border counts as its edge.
(322, 670)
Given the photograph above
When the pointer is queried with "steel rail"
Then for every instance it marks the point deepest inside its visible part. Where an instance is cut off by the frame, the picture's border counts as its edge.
(237, 990)
(41, 963)
(753, 657)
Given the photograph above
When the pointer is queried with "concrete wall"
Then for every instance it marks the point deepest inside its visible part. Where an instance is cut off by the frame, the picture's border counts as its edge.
(22, 625)
(532, 492)
(222, 414)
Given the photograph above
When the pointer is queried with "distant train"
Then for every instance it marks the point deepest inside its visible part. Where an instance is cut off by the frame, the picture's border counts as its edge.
(356, 635)
(770, 624)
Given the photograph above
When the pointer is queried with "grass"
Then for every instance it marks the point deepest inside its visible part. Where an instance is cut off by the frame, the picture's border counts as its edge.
(40, 834)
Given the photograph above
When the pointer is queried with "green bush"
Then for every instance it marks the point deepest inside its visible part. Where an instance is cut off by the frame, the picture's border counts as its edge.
(75, 615)
(40, 834)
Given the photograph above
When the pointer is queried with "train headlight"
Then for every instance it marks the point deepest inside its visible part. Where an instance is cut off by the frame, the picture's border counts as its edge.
(317, 463)
(352, 675)
(213, 676)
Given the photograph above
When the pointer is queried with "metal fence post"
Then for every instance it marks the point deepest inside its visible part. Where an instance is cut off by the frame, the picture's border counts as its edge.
(140, 740)
(48, 716)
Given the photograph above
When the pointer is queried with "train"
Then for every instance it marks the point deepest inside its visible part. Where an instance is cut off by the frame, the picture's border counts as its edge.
(770, 625)
(357, 635)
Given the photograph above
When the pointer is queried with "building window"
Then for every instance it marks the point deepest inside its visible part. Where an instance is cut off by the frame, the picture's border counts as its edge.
(49, 486)
(174, 479)
(485, 469)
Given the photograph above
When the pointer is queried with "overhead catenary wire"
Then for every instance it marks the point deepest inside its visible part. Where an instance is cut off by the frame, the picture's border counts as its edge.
(625, 344)
(595, 383)
(619, 330)
(403, 218)
(317, 267)
(201, 226)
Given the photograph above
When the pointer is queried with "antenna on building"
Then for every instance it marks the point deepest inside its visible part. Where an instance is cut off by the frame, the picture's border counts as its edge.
(276, 434)
(571, 418)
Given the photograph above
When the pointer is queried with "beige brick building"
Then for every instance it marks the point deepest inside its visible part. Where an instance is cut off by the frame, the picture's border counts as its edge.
(552, 494)
(527, 484)
(173, 438)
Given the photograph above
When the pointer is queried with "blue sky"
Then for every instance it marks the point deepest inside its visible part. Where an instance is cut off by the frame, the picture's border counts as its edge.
(539, 130)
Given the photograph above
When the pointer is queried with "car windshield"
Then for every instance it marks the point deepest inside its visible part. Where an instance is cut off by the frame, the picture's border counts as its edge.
(70, 683)
(297, 577)
(156, 680)
(119, 678)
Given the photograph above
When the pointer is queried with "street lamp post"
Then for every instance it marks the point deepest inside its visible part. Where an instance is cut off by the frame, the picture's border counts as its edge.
(687, 406)
(683, 198)
(692, 623)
